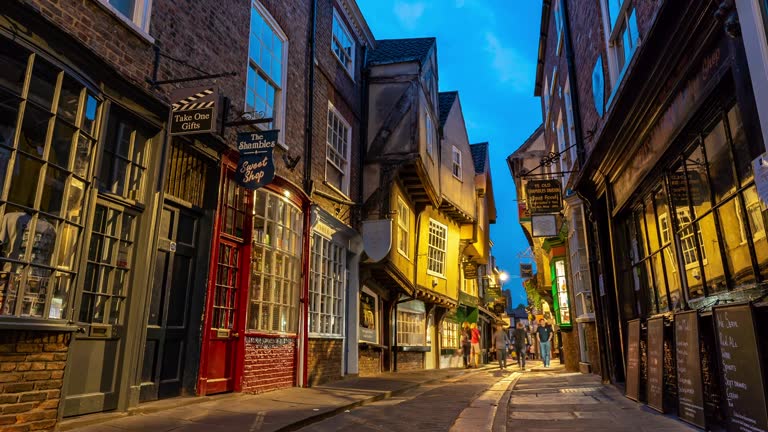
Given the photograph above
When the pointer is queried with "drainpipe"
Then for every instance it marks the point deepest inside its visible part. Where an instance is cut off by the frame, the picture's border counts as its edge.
(308, 190)
(310, 103)
(580, 148)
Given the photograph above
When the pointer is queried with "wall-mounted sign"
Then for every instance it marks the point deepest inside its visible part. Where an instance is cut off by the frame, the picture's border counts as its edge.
(470, 270)
(523, 214)
(544, 225)
(526, 270)
(544, 196)
(193, 110)
(368, 317)
(256, 166)
(680, 185)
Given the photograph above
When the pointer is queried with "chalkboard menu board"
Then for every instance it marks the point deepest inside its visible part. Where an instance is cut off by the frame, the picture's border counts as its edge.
(655, 387)
(690, 403)
(741, 369)
(633, 360)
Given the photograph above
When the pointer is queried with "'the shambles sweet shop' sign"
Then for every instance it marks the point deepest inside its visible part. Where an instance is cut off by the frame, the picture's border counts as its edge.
(256, 166)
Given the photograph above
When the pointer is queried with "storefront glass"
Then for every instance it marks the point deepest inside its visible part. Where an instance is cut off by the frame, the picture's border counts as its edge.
(47, 137)
(717, 233)
(328, 284)
(411, 319)
(275, 264)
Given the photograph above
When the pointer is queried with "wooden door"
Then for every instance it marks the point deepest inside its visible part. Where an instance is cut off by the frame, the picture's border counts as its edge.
(168, 320)
(222, 333)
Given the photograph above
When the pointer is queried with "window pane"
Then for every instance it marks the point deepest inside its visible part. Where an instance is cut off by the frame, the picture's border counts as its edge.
(89, 115)
(24, 181)
(756, 218)
(33, 131)
(713, 264)
(61, 144)
(698, 184)
(744, 151)
(9, 111)
(14, 60)
(69, 99)
(35, 292)
(62, 283)
(737, 254)
(44, 77)
(720, 162)
(82, 156)
(126, 7)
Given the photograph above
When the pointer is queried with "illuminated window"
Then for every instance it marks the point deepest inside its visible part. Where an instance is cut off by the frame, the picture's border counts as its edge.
(411, 328)
(450, 334)
(438, 239)
(403, 221)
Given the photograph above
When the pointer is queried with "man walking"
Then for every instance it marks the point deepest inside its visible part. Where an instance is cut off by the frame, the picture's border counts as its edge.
(520, 341)
(545, 333)
(501, 341)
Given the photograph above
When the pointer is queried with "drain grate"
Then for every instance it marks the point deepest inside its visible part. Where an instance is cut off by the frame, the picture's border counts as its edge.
(580, 390)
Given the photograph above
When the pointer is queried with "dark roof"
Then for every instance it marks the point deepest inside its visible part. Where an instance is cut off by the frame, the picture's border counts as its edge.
(390, 51)
(479, 154)
(445, 101)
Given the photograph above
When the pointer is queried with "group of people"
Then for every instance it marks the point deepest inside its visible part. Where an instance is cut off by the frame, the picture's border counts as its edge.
(520, 342)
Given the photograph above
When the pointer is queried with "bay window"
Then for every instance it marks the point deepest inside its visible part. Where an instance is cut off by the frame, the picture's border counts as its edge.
(275, 264)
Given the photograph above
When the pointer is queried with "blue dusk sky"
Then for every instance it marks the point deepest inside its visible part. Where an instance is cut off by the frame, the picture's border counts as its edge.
(486, 49)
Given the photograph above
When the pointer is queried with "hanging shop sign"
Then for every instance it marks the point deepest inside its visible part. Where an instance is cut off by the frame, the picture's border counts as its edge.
(544, 225)
(681, 184)
(544, 196)
(526, 270)
(522, 212)
(368, 316)
(193, 110)
(470, 270)
(256, 166)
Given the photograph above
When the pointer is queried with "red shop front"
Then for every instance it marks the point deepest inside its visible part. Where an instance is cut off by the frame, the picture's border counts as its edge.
(255, 315)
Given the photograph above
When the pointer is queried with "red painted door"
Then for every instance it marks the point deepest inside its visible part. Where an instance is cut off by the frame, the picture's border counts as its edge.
(223, 335)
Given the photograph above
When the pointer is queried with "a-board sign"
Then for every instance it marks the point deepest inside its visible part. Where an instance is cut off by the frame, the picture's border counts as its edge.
(741, 368)
(690, 402)
(256, 166)
(544, 196)
(193, 110)
(655, 387)
(633, 360)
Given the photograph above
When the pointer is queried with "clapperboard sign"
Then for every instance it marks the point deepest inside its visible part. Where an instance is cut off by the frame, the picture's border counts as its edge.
(256, 166)
(193, 110)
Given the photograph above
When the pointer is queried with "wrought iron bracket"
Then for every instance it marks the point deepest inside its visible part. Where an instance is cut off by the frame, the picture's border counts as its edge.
(153, 81)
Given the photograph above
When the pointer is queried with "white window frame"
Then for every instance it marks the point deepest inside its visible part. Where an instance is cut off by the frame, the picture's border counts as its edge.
(687, 241)
(429, 127)
(330, 147)
(561, 144)
(449, 333)
(436, 256)
(335, 40)
(278, 109)
(139, 21)
(613, 34)
(327, 287)
(456, 163)
(411, 328)
(403, 223)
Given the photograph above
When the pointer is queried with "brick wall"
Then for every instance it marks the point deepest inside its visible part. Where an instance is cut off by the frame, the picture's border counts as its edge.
(410, 361)
(369, 362)
(571, 350)
(270, 364)
(31, 374)
(590, 334)
(324, 360)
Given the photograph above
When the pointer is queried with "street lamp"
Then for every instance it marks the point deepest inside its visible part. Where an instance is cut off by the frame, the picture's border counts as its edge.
(503, 276)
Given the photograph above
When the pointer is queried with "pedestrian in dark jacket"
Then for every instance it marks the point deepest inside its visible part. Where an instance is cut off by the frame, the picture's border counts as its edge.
(500, 342)
(520, 342)
(466, 345)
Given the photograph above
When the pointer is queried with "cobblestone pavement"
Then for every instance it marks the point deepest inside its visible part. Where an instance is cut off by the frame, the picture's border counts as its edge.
(552, 401)
(432, 407)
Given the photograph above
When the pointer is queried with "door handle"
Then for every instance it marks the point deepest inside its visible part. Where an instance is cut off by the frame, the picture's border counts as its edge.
(235, 335)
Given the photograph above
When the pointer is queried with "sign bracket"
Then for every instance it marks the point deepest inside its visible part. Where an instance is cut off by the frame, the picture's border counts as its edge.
(249, 118)
(547, 160)
(156, 67)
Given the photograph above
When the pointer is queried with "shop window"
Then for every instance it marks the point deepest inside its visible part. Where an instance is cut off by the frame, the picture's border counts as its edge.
(438, 236)
(342, 45)
(135, 11)
(410, 328)
(234, 205)
(108, 267)
(369, 316)
(227, 278)
(429, 129)
(44, 170)
(124, 160)
(734, 237)
(450, 334)
(456, 163)
(275, 264)
(327, 286)
(267, 68)
(338, 146)
(403, 223)
(186, 173)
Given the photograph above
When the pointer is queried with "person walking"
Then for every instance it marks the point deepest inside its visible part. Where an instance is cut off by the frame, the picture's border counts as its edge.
(475, 339)
(520, 342)
(466, 345)
(500, 342)
(545, 333)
